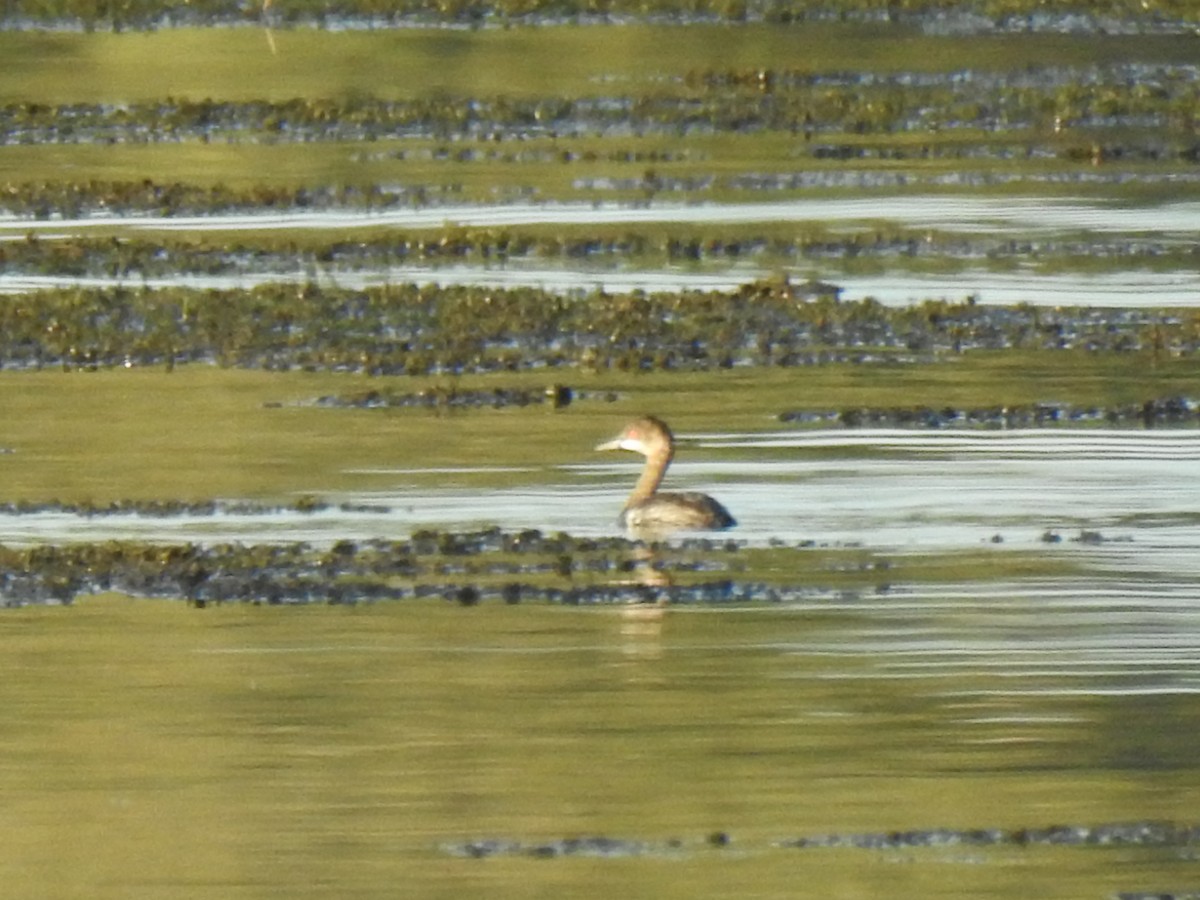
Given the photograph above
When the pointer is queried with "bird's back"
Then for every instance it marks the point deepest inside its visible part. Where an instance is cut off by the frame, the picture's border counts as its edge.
(682, 512)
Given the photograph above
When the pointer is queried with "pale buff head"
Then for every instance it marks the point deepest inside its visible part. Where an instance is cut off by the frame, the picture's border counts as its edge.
(645, 435)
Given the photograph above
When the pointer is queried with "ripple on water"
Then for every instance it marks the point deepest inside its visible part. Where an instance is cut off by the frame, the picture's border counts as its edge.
(1124, 500)
(1019, 217)
(1125, 290)
(1019, 667)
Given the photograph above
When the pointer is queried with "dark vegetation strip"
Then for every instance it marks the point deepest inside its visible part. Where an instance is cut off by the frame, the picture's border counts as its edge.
(1118, 834)
(1120, 123)
(1018, 114)
(460, 567)
(132, 258)
(1090, 166)
(422, 330)
(1160, 99)
(76, 199)
(159, 509)
(1091, 15)
(1117, 126)
(558, 396)
(1154, 413)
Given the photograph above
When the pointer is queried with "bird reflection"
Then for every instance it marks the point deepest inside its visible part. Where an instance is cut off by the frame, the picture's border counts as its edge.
(643, 616)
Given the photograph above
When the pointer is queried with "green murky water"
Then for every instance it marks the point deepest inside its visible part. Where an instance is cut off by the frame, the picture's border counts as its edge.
(153, 750)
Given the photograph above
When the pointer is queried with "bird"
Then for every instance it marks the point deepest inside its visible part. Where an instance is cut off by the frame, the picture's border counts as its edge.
(649, 512)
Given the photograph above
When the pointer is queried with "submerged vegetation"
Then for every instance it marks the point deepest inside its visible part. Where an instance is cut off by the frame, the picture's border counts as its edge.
(486, 566)
(1022, 112)
(414, 330)
(1170, 411)
(1114, 834)
(465, 567)
(715, 247)
(698, 134)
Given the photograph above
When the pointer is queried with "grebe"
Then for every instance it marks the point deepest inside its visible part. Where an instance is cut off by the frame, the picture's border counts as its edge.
(648, 511)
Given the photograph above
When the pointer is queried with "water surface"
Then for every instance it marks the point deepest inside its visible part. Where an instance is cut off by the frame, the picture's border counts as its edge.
(929, 491)
(1019, 218)
(1016, 215)
(1128, 289)
(985, 629)
(241, 752)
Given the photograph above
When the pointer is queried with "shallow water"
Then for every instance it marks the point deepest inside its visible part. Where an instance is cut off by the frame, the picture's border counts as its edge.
(990, 630)
(1016, 215)
(1021, 218)
(921, 491)
(156, 749)
(1127, 289)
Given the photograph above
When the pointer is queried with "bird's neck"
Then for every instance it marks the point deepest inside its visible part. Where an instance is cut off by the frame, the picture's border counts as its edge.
(651, 477)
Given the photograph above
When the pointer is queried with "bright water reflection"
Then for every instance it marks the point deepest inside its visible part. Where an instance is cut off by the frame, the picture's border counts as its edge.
(1128, 289)
(1131, 494)
(1018, 215)
(1021, 218)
